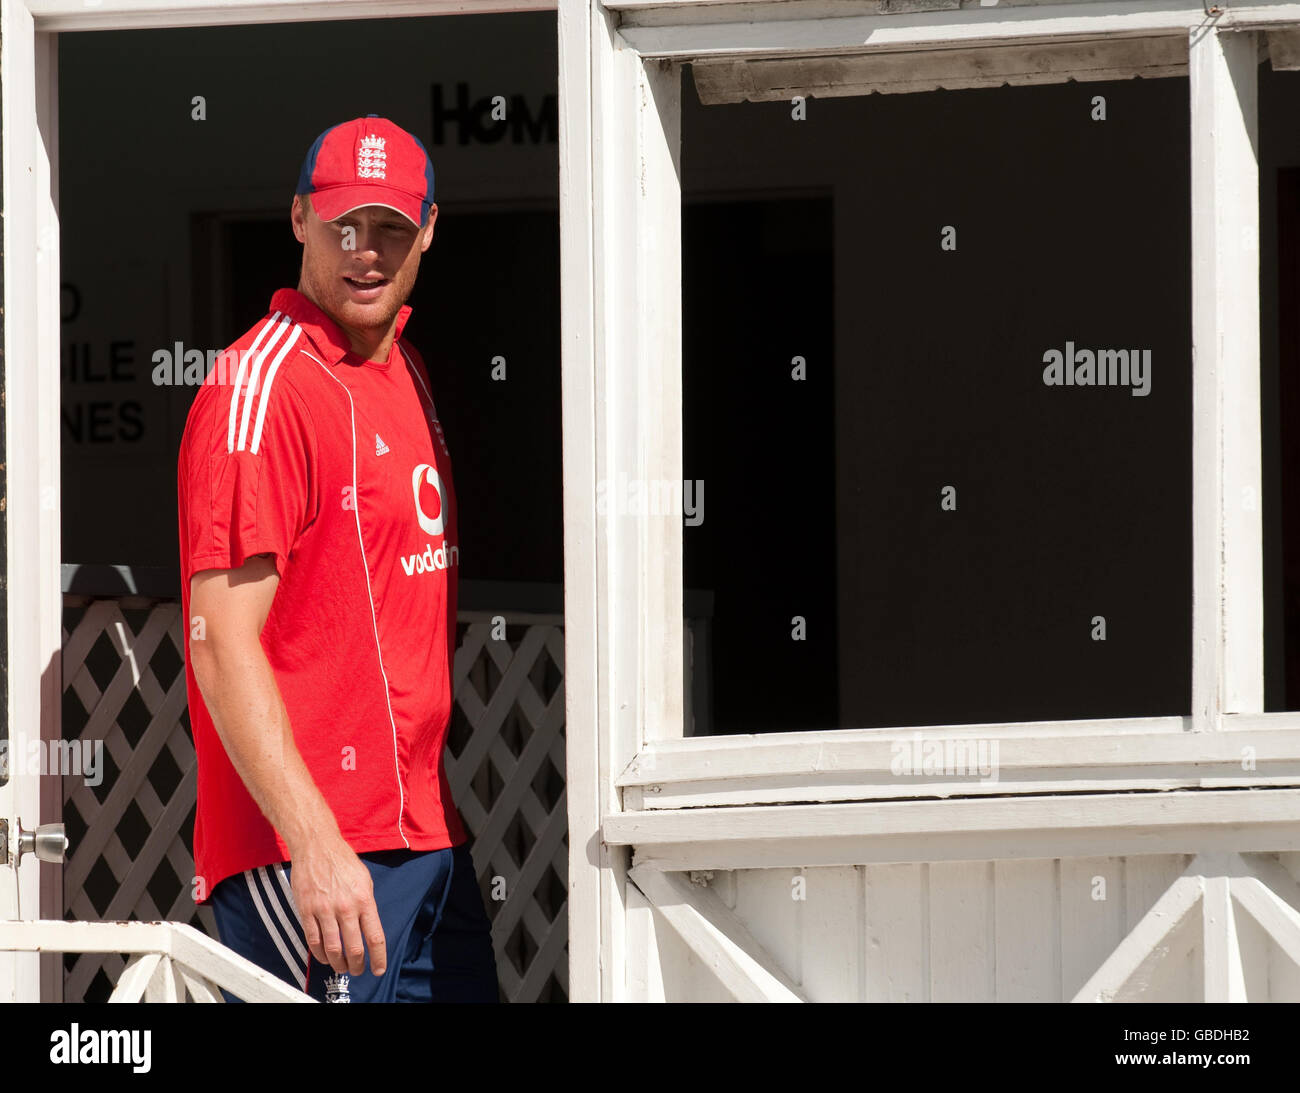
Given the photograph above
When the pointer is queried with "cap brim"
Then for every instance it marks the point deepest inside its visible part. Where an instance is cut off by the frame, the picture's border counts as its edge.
(332, 203)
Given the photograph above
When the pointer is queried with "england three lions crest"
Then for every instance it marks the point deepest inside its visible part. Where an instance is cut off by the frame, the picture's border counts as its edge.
(372, 159)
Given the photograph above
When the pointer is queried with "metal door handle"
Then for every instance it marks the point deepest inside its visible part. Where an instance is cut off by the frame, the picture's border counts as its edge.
(47, 842)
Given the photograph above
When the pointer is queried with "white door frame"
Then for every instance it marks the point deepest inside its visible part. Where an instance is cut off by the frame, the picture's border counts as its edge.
(28, 65)
(29, 102)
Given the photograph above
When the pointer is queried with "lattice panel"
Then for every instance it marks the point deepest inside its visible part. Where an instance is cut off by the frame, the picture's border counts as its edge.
(506, 768)
(130, 836)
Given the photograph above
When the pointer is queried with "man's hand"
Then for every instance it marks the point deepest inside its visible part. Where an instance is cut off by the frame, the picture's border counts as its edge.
(332, 887)
(336, 904)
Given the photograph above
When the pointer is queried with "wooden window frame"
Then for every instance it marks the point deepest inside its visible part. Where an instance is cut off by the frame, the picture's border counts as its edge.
(653, 796)
(629, 322)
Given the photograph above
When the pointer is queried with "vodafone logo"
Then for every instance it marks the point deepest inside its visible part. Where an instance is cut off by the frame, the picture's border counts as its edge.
(425, 474)
(447, 554)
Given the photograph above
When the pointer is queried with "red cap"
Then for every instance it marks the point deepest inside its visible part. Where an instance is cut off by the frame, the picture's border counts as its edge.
(368, 161)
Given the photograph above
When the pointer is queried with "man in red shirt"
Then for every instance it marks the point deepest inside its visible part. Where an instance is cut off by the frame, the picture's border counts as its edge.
(319, 557)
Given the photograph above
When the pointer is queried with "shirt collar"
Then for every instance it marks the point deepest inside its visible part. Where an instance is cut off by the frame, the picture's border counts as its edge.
(323, 332)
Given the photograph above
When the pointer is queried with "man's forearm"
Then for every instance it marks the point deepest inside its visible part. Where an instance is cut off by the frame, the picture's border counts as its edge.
(240, 691)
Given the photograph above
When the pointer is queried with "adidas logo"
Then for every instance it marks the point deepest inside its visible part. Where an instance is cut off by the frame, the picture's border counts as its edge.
(380, 447)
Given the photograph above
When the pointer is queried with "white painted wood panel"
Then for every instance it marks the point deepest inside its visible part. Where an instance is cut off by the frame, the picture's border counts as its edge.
(832, 908)
(1257, 958)
(660, 965)
(718, 938)
(1027, 930)
(1146, 879)
(1220, 948)
(592, 889)
(1179, 977)
(686, 979)
(927, 30)
(967, 829)
(66, 15)
(764, 903)
(960, 911)
(645, 976)
(1291, 863)
(1227, 552)
(973, 931)
(951, 69)
(897, 945)
(1092, 917)
(1283, 977)
(1033, 758)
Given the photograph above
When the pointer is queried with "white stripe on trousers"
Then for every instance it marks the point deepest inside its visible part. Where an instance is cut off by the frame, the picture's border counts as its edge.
(292, 933)
(297, 969)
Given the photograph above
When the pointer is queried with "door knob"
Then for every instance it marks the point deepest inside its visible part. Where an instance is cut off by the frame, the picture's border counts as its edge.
(47, 842)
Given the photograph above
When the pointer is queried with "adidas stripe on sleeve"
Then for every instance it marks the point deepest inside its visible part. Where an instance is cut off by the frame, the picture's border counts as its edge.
(245, 481)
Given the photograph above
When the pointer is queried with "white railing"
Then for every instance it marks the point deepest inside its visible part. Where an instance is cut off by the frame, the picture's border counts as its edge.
(167, 961)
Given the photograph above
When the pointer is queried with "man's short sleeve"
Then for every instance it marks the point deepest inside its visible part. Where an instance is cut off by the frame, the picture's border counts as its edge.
(246, 482)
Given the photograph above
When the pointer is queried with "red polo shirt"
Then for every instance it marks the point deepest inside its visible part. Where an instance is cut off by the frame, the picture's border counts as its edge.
(337, 466)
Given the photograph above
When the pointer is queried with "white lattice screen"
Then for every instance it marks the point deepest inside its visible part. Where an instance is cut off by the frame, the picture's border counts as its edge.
(129, 856)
